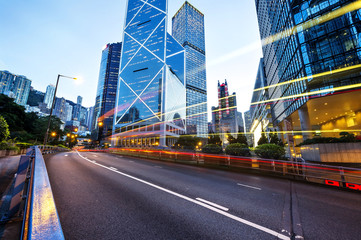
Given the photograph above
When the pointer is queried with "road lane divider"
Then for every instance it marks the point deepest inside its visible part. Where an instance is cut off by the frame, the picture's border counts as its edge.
(247, 186)
(214, 209)
(213, 204)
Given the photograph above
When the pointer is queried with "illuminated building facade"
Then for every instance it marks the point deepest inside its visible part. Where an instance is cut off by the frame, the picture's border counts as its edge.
(225, 116)
(188, 29)
(107, 89)
(315, 49)
(151, 95)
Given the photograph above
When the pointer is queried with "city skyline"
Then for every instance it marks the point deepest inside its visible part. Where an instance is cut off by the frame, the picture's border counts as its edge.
(77, 52)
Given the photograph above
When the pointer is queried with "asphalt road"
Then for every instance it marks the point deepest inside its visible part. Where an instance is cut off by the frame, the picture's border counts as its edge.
(103, 196)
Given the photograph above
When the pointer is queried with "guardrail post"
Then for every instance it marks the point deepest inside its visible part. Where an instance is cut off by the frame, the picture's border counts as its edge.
(343, 180)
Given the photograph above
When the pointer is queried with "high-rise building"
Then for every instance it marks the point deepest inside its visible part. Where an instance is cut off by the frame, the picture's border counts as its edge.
(69, 111)
(77, 108)
(107, 89)
(224, 117)
(15, 86)
(49, 95)
(6, 82)
(240, 122)
(90, 116)
(261, 114)
(60, 109)
(317, 101)
(248, 126)
(188, 30)
(151, 96)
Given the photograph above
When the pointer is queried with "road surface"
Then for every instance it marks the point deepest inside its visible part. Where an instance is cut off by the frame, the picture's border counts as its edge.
(103, 196)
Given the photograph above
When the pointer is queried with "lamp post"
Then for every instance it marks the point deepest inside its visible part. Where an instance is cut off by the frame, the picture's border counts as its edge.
(52, 107)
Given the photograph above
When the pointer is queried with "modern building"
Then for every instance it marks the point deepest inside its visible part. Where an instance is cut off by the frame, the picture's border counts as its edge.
(49, 95)
(77, 108)
(319, 60)
(240, 122)
(107, 89)
(188, 30)
(15, 86)
(261, 114)
(69, 111)
(248, 126)
(89, 118)
(151, 95)
(224, 117)
(60, 109)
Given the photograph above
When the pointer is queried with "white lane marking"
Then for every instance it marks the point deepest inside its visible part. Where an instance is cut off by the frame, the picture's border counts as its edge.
(158, 166)
(238, 219)
(243, 185)
(213, 204)
(95, 156)
(66, 155)
(113, 168)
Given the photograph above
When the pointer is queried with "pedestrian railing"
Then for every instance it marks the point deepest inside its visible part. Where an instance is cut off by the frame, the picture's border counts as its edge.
(336, 176)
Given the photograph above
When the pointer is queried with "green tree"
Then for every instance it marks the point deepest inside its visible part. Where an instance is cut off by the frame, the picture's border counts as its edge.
(263, 139)
(275, 140)
(230, 138)
(13, 113)
(214, 139)
(242, 139)
(187, 142)
(4, 129)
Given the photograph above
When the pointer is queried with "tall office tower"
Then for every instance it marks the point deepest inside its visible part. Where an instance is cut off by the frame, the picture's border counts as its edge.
(6, 81)
(90, 116)
(107, 89)
(224, 117)
(77, 108)
(68, 111)
(240, 122)
(15, 86)
(49, 94)
(248, 126)
(188, 29)
(60, 109)
(151, 96)
(306, 47)
(261, 114)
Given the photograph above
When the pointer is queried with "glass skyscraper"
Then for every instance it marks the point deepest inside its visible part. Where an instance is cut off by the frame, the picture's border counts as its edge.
(317, 55)
(151, 96)
(188, 29)
(107, 89)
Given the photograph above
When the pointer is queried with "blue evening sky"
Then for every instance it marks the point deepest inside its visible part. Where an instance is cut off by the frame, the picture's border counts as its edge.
(41, 38)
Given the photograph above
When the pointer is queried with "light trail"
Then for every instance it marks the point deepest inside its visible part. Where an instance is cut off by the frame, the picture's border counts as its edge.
(309, 77)
(313, 22)
(353, 86)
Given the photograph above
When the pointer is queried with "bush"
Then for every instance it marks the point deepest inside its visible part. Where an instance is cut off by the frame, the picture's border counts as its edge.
(24, 145)
(62, 146)
(238, 149)
(272, 151)
(212, 148)
(8, 146)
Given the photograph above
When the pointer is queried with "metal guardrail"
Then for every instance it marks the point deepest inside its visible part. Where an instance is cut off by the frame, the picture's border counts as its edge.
(341, 177)
(40, 218)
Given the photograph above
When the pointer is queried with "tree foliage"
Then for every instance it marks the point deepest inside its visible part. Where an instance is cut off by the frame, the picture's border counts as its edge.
(275, 140)
(263, 139)
(214, 139)
(4, 129)
(238, 149)
(187, 142)
(27, 126)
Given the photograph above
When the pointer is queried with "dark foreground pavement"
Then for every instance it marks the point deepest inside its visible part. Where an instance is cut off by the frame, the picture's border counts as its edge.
(103, 196)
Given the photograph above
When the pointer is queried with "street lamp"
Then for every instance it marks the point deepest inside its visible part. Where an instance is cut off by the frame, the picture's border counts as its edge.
(52, 107)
